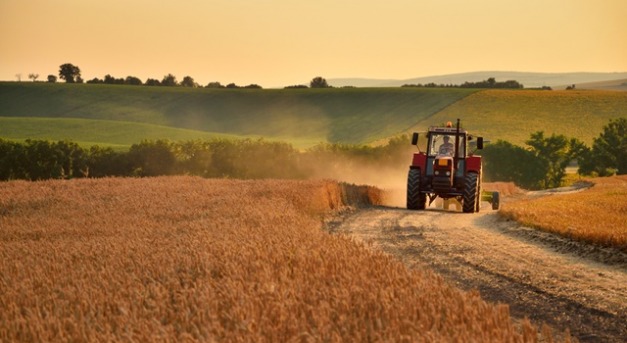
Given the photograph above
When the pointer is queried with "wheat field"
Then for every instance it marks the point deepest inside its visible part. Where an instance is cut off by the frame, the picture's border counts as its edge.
(597, 214)
(191, 259)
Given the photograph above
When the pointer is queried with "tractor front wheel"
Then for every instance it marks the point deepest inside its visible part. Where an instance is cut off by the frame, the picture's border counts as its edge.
(415, 199)
(471, 193)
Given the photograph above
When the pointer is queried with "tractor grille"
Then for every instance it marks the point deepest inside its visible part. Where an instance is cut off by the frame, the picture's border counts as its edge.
(442, 183)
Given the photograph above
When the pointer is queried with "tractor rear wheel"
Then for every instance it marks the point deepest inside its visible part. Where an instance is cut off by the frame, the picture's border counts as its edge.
(415, 199)
(469, 198)
(478, 201)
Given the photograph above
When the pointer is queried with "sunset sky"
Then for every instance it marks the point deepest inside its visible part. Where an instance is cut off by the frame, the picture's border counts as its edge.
(275, 43)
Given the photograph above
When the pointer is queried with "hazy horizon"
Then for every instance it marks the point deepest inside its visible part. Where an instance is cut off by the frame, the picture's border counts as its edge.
(275, 43)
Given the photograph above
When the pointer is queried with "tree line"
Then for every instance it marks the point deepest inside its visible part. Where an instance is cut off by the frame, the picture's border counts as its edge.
(489, 83)
(72, 74)
(216, 158)
(542, 164)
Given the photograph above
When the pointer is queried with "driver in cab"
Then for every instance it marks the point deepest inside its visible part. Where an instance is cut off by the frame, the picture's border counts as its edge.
(447, 148)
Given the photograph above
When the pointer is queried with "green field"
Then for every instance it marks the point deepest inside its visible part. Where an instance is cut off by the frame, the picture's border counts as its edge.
(302, 117)
(118, 116)
(512, 115)
(106, 133)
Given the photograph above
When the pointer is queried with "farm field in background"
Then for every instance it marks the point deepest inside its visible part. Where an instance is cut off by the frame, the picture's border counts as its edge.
(512, 115)
(177, 258)
(597, 214)
(118, 135)
(303, 117)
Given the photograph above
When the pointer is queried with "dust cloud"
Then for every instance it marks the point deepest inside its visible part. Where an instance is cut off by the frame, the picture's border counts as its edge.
(392, 179)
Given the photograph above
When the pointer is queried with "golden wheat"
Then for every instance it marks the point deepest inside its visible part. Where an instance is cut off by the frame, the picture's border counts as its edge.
(597, 214)
(190, 259)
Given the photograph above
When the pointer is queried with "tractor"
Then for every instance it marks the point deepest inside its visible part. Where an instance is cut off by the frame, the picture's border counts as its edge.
(449, 169)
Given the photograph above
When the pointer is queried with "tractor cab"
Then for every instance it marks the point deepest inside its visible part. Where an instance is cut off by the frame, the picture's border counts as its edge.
(447, 169)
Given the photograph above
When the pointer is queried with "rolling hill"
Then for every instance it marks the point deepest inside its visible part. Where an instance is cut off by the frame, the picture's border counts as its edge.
(615, 85)
(529, 80)
(118, 116)
(302, 117)
(514, 115)
(106, 133)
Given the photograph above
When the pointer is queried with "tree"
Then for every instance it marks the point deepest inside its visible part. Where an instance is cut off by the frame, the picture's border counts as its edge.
(296, 87)
(33, 76)
(214, 85)
(188, 81)
(69, 72)
(609, 151)
(106, 162)
(169, 80)
(504, 161)
(132, 80)
(556, 152)
(152, 82)
(152, 158)
(52, 78)
(318, 82)
(18, 76)
(108, 79)
(12, 157)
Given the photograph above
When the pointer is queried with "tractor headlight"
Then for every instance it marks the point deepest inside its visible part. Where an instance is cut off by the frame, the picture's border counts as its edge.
(448, 173)
(436, 172)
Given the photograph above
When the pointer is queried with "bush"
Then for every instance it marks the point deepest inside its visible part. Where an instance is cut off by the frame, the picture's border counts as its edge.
(506, 162)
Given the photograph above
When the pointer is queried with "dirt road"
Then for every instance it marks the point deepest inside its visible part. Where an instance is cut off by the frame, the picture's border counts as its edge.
(548, 279)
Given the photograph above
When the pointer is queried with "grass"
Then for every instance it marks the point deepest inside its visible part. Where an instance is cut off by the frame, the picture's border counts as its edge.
(596, 215)
(512, 115)
(190, 259)
(88, 132)
(295, 115)
(305, 117)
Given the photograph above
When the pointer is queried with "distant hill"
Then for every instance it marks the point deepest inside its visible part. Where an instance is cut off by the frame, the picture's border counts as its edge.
(303, 117)
(118, 116)
(512, 115)
(614, 85)
(529, 80)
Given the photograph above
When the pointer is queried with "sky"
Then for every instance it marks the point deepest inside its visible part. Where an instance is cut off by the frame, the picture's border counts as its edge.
(276, 43)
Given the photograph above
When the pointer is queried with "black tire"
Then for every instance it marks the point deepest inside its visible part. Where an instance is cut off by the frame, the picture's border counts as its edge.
(415, 199)
(470, 193)
(478, 201)
(496, 200)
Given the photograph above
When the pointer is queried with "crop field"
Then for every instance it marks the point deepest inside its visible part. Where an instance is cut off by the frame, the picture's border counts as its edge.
(513, 115)
(303, 117)
(596, 215)
(118, 135)
(185, 258)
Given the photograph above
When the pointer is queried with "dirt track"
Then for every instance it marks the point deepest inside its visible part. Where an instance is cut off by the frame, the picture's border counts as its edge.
(546, 278)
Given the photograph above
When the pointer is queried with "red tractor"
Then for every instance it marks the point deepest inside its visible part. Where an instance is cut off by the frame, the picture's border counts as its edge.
(449, 169)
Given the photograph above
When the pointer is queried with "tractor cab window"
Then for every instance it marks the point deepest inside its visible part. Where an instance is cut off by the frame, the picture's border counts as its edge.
(444, 145)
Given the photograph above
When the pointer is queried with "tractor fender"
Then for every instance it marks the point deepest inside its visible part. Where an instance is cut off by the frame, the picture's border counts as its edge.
(419, 161)
(473, 164)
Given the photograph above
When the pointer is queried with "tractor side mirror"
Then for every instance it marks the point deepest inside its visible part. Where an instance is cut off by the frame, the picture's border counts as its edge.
(479, 143)
(414, 139)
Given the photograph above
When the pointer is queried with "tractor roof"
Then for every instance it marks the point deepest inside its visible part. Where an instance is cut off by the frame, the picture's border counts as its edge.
(450, 130)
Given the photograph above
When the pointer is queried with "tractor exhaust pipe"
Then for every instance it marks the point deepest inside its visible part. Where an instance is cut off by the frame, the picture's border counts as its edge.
(455, 157)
